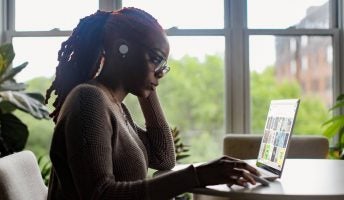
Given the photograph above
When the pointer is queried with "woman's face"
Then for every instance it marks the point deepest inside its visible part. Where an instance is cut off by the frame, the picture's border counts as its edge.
(147, 69)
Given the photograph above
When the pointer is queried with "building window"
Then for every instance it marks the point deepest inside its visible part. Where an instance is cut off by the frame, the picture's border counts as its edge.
(304, 41)
(292, 45)
(329, 54)
(304, 63)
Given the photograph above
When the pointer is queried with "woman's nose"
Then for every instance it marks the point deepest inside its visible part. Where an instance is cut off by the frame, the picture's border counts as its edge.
(159, 74)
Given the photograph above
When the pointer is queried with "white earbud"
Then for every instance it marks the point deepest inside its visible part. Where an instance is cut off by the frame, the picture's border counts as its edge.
(123, 49)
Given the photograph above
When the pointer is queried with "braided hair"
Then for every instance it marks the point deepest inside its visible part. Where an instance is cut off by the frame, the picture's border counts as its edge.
(80, 55)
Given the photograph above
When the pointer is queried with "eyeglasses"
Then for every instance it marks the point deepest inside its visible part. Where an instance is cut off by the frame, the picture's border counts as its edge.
(159, 62)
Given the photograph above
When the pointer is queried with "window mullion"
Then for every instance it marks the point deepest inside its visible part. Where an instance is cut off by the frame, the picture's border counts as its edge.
(339, 89)
(11, 15)
(194, 32)
(109, 5)
(293, 32)
(8, 19)
(53, 33)
(237, 106)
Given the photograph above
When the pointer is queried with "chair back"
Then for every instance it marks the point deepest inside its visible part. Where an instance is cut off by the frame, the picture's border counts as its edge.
(20, 178)
(246, 146)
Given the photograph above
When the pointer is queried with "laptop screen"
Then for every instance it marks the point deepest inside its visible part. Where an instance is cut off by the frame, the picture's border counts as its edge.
(277, 133)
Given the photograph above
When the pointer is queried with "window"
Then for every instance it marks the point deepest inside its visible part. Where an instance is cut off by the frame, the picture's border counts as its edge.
(228, 59)
(40, 52)
(285, 75)
(30, 40)
(288, 14)
(42, 15)
(37, 29)
(192, 95)
(304, 64)
(296, 53)
(191, 14)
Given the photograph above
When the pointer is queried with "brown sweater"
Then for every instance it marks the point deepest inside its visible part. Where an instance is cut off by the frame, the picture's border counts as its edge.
(98, 153)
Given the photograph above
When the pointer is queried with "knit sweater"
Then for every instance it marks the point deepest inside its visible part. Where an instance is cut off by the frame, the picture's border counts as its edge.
(98, 152)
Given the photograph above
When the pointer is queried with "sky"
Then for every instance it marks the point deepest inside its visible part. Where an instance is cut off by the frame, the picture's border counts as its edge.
(41, 53)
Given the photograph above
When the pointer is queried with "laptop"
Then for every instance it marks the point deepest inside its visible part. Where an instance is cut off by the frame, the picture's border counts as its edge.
(276, 138)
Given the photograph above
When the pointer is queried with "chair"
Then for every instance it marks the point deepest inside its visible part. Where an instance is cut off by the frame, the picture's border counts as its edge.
(246, 146)
(20, 178)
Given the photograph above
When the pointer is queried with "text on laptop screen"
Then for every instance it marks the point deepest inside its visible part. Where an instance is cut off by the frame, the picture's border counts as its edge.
(277, 131)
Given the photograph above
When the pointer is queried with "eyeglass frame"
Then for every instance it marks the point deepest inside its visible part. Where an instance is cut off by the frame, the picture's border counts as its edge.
(162, 66)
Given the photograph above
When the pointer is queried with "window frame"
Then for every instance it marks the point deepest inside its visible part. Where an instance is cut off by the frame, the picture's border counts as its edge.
(336, 25)
(236, 34)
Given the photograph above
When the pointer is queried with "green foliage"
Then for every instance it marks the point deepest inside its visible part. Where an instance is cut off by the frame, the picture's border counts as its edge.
(185, 196)
(205, 146)
(13, 132)
(265, 86)
(334, 127)
(181, 152)
(16, 140)
(180, 148)
(40, 131)
(45, 167)
(192, 96)
(194, 91)
(312, 112)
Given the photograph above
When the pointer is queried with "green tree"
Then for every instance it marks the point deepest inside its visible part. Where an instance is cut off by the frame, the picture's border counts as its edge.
(265, 86)
(193, 93)
(40, 130)
(192, 96)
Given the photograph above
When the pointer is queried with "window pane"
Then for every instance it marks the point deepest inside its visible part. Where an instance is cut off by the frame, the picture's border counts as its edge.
(192, 94)
(288, 14)
(183, 14)
(40, 52)
(43, 15)
(291, 67)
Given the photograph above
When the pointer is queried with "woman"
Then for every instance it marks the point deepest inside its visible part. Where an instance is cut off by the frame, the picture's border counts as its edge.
(97, 151)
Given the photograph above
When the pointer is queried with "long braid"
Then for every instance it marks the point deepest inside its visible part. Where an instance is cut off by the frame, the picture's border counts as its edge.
(78, 58)
(80, 55)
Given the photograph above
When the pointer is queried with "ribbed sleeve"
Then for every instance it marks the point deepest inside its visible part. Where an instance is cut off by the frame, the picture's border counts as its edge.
(172, 183)
(157, 137)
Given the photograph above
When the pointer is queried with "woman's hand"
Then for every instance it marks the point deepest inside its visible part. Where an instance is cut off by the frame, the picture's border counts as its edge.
(226, 170)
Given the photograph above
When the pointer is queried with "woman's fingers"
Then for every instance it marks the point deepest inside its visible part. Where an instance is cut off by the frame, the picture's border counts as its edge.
(238, 174)
(242, 165)
(226, 170)
(242, 182)
(241, 171)
(230, 158)
(249, 178)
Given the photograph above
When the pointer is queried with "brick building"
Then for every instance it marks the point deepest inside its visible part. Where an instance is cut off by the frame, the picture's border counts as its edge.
(308, 59)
